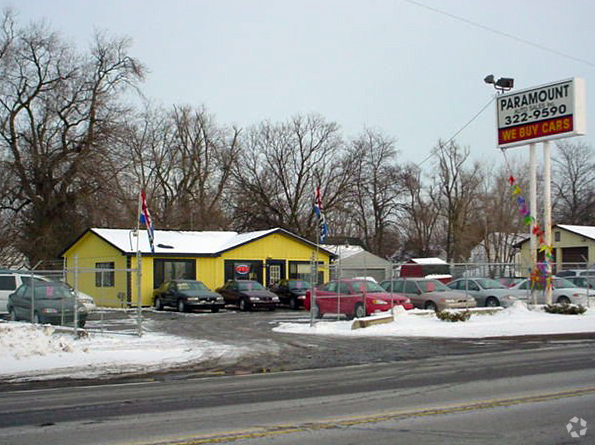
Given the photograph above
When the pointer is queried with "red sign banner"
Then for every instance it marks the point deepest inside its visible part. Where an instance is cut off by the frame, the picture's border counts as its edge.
(550, 127)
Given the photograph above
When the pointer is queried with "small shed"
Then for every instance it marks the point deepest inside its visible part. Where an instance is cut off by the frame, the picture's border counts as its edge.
(355, 261)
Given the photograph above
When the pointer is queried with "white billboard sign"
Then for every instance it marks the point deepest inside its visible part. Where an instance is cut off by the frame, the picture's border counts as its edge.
(553, 111)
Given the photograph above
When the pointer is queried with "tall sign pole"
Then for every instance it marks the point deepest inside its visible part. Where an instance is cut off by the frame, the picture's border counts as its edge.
(533, 210)
(541, 114)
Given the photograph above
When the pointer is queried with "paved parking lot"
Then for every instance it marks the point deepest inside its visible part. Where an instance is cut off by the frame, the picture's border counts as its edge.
(274, 351)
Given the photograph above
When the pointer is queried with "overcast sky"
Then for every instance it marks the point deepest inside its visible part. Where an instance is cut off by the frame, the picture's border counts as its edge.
(393, 65)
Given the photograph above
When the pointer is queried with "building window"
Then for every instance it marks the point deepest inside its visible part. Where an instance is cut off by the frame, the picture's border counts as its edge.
(557, 236)
(165, 270)
(302, 270)
(104, 278)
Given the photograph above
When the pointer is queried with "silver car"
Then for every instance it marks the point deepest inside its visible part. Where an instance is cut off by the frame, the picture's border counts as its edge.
(488, 292)
(563, 292)
(426, 293)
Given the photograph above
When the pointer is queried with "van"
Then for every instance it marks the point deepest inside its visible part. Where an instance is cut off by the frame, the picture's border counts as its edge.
(10, 281)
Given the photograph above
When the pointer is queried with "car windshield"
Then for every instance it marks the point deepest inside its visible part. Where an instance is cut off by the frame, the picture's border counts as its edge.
(367, 286)
(562, 283)
(432, 286)
(192, 285)
(488, 283)
(249, 285)
(54, 292)
(298, 285)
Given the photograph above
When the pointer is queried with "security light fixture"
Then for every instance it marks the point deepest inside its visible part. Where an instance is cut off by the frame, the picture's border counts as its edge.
(502, 84)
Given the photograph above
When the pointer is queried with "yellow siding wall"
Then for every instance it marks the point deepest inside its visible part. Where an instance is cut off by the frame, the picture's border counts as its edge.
(567, 239)
(84, 255)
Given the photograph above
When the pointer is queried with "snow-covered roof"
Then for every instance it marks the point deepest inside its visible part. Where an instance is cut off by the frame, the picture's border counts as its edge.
(343, 250)
(427, 261)
(586, 231)
(180, 242)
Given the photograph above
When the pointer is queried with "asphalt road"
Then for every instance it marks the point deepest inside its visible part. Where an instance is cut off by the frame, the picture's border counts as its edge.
(513, 397)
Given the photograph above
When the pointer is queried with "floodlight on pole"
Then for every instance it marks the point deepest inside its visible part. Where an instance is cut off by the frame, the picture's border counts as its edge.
(502, 84)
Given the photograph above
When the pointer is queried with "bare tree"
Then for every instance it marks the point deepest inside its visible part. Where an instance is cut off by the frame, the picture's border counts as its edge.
(459, 188)
(280, 167)
(57, 111)
(375, 193)
(420, 209)
(574, 183)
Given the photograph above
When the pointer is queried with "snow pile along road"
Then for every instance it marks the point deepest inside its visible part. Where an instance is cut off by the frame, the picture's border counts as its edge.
(30, 352)
(514, 321)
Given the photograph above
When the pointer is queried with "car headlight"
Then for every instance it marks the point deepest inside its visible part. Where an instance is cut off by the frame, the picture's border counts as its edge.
(380, 302)
(509, 297)
(407, 301)
(49, 310)
(275, 298)
(82, 309)
(220, 298)
(254, 299)
(448, 300)
(193, 299)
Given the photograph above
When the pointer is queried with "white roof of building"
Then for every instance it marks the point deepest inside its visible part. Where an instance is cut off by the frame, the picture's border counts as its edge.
(179, 242)
(428, 261)
(343, 250)
(586, 231)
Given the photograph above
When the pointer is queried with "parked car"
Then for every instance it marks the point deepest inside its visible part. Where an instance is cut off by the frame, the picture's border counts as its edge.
(46, 302)
(248, 294)
(291, 292)
(11, 280)
(584, 282)
(510, 281)
(186, 295)
(431, 294)
(575, 273)
(488, 292)
(563, 292)
(348, 296)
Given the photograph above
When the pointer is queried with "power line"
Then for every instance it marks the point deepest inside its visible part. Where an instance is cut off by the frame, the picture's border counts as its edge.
(461, 129)
(501, 33)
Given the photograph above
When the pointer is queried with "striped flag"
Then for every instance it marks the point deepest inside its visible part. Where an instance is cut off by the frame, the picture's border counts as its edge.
(321, 219)
(145, 218)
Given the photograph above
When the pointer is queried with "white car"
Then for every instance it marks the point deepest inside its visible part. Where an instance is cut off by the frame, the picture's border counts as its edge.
(563, 292)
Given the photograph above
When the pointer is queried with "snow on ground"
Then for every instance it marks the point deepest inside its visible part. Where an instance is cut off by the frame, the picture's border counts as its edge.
(514, 321)
(29, 352)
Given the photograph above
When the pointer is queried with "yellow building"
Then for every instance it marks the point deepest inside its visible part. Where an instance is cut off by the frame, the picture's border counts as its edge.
(103, 262)
(573, 247)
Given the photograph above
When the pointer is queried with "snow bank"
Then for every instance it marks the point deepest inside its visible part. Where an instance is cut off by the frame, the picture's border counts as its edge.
(514, 321)
(30, 352)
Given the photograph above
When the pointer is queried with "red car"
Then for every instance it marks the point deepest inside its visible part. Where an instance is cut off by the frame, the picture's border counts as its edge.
(347, 297)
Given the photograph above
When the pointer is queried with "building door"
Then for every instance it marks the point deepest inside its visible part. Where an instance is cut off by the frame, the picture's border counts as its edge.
(275, 271)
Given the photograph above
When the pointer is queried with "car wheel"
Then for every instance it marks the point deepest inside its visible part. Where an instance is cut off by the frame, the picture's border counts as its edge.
(243, 304)
(492, 302)
(293, 303)
(214, 310)
(359, 311)
(82, 323)
(272, 308)
(564, 300)
(12, 315)
(430, 305)
(158, 304)
(182, 306)
(36, 318)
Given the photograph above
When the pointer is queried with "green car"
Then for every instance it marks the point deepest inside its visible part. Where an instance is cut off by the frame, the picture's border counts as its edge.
(45, 302)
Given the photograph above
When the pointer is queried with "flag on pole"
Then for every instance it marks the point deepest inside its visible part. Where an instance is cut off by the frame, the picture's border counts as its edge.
(321, 219)
(145, 218)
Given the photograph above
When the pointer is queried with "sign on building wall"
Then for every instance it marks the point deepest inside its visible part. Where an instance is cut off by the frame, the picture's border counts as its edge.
(553, 111)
